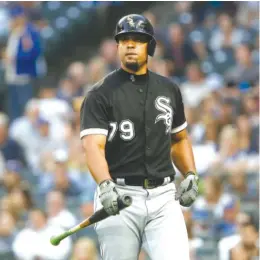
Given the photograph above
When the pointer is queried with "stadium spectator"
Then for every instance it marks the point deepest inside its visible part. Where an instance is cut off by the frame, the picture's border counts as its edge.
(160, 34)
(195, 89)
(247, 248)
(7, 231)
(248, 15)
(209, 209)
(23, 129)
(194, 242)
(228, 225)
(227, 243)
(34, 13)
(243, 186)
(58, 112)
(196, 128)
(84, 249)
(108, 51)
(244, 131)
(97, 70)
(199, 46)
(231, 158)
(41, 144)
(250, 107)
(67, 89)
(58, 214)
(9, 148)
(161, 67)
(245, 71)
(37, 235)
(11, 176)
(2, 166)
(22, 203)
(78, 73)
(158, 54)
(60, 177)
(73, 127)
(23, 61)
(179, 51)
(87, 196)
(227, 35)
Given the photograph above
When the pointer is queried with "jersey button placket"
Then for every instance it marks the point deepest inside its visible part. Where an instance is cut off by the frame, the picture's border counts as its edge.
(142, 103)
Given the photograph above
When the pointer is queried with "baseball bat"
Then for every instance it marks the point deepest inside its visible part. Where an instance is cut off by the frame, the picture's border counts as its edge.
(123, 202)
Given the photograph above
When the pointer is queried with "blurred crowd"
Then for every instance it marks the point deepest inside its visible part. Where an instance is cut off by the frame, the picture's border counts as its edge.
(46, 185)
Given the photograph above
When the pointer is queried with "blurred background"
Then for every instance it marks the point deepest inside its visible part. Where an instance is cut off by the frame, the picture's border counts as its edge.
(51, 52)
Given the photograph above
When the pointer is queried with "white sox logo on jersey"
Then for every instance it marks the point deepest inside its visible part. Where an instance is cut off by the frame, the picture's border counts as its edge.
(163, 104)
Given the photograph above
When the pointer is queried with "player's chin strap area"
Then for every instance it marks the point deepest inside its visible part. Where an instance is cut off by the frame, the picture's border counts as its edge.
(146, 183)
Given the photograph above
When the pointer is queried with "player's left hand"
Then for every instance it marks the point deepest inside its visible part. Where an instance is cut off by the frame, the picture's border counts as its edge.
(188, 190)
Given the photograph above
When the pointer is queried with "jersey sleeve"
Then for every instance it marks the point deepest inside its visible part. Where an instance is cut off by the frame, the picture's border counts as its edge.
(94, 115)
(179, 120)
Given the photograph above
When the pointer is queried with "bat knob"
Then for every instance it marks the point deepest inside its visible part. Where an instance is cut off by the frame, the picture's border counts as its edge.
(124, 201)
(54, 241)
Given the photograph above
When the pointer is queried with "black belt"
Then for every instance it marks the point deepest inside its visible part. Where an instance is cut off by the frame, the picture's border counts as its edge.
(147, 183)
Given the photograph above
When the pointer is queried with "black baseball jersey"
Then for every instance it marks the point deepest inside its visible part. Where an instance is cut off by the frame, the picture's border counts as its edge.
(137, 114)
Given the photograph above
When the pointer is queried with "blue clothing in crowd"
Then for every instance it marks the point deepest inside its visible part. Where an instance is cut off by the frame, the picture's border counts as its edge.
(11, 150)
(25, 62)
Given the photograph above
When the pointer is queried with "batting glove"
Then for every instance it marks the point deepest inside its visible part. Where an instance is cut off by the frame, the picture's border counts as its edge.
(109, 196)
(188, 190)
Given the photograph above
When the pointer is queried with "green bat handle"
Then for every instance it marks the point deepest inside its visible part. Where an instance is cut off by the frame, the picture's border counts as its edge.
(55, 240)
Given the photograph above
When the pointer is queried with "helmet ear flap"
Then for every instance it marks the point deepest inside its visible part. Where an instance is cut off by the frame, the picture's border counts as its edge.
(151, 47)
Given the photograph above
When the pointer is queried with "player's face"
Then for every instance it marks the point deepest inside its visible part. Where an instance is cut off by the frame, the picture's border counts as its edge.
(132, 50)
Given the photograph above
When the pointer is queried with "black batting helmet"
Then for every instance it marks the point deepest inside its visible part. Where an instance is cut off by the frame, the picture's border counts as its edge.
(135, 23)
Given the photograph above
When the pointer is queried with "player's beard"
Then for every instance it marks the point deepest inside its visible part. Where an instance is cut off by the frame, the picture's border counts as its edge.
(134, 66)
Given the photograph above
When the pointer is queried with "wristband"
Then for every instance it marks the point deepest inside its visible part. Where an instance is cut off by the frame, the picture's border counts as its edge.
(192, 173)
(105, 181)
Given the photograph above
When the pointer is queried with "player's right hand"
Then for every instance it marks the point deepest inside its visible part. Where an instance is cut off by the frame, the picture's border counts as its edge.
(109, 197)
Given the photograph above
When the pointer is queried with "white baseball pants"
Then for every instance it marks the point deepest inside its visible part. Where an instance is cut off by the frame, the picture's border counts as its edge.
(154, 221)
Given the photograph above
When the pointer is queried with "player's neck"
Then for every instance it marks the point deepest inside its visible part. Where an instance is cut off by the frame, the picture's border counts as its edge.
(141, 71)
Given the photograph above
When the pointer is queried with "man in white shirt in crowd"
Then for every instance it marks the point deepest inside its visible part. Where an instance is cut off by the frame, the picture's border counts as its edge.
(41, 144)
(23, 129)
(196, 88)
(57, 212)
(56, 110)
(33, 242)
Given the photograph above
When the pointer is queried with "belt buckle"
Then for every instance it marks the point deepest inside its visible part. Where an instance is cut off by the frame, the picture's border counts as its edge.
(149, 184)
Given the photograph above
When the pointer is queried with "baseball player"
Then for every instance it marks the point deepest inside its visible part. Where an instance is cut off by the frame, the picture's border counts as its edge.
(132, 128)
